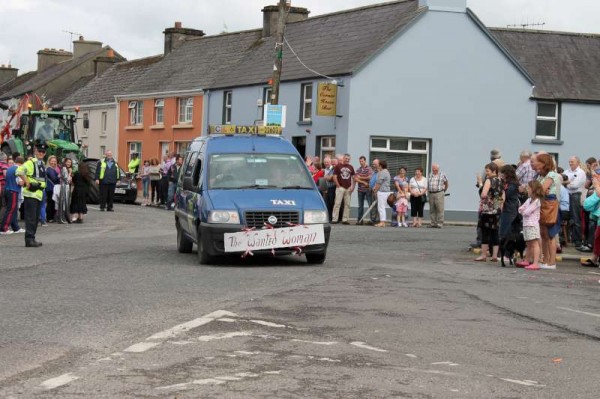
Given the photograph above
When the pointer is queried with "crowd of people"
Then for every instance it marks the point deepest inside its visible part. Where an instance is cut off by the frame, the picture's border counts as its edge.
(159, 180)
(377, 190)
(538, 199)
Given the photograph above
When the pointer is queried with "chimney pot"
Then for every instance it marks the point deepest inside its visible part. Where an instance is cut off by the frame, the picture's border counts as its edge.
(271, 17)
(178, 25)
(174, 37)
(81, 38)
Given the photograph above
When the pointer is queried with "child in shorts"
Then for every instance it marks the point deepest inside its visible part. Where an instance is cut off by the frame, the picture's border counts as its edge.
(401, 210)
(530, 211)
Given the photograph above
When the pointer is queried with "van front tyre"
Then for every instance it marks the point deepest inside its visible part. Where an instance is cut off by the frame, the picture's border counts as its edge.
(203, 257)
(316, 259)
(184, 244)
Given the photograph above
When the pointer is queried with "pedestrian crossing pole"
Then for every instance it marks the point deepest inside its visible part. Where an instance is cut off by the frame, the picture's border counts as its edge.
(278, 64)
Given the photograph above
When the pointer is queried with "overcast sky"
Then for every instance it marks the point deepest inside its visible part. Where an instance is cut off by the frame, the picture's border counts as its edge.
(134, 27)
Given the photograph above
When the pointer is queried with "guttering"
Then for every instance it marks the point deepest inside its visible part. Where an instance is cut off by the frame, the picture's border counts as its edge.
(158, 94)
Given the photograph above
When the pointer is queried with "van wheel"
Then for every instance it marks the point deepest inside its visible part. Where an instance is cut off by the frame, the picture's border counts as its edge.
(203, 257)
(316, 259)
(184, 244)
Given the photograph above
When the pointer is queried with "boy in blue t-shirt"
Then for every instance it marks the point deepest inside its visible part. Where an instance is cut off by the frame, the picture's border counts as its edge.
(12, 189)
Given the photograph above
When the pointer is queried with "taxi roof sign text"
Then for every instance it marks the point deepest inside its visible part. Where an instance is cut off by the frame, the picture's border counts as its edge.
(244, 129)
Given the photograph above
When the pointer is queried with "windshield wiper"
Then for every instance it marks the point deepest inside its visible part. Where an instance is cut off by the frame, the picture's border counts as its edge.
(296, 187)
(258, 186)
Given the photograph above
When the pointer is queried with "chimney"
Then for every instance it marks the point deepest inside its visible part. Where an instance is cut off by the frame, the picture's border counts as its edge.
(445, 5)
(82, 47)
(174, 37)
(48, 57)
(101, 64)
(7, 73)
(271, 17)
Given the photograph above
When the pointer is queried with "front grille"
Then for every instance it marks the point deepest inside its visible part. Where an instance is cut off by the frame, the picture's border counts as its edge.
(258, 219)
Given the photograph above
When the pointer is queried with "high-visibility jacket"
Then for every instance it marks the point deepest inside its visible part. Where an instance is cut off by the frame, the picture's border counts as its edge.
(134, 165)
(35, 172)
(103, 169)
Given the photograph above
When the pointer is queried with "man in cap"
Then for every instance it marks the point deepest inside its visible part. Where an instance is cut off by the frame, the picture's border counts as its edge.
(33, 177)
(108, 173)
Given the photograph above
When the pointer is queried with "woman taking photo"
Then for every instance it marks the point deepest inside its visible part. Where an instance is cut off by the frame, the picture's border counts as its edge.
(418, 195)
(490, 206)
(551, 182)
(382, 188)
(52, 179)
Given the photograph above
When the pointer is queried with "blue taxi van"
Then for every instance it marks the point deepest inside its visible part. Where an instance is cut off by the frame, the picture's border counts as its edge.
(249, 194)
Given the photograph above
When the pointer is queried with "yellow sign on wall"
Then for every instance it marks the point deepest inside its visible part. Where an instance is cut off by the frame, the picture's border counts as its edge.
(327, 99)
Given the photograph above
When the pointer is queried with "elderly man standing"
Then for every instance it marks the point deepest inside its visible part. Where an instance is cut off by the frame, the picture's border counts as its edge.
(343, 177)
(108, 173)
(576, 186)
(525, 173)
(362, 178)
(437, 184)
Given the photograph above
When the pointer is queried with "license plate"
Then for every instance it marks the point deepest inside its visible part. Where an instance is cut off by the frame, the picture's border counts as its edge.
(119, 191)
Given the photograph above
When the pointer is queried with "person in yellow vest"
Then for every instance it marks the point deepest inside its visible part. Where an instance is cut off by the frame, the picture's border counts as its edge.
(33, 179)
(134, 164)
(108, 174)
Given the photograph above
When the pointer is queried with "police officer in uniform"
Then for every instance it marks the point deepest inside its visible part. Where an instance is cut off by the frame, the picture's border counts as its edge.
(107, 175)
(33, 174)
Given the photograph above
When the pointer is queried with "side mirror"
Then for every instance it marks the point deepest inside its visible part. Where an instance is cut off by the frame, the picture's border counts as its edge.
(86, 123)
(187, 184)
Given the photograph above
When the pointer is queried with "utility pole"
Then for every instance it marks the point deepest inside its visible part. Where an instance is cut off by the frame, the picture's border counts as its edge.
(278, 64)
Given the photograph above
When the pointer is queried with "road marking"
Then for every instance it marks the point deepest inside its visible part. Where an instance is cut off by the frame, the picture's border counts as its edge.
(247, 352)
(59, 381)
(594, 273)
(178, 329)
(445, 363)
(411, 355)
(365, 346)
(326, 359)
(527, 383)
(579, 311)
(227, 320)
(268, 324)
(315, 342)
(219, 380)
(141, 347)
(207, 338)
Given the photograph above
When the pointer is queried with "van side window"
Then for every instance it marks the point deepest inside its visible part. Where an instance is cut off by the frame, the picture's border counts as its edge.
(191, 162)
(197, 172)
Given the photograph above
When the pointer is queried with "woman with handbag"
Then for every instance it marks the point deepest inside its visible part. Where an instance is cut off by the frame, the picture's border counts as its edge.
(490, 207)
(418, 197)
(549, 215)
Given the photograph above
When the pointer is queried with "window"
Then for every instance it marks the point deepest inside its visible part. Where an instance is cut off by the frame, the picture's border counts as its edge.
(401, 151)
(546, 126)
(104, 122)
(136, 113)
(181, 147)
(267, 93)
(135, 147)
(86, 124)
(227, 106)
(186, 107)
(159, 106)
(164, 149)
(327, 146)
(306, 103)
(102, 150)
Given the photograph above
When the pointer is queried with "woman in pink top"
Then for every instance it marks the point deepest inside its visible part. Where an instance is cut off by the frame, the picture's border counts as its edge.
(531, 224)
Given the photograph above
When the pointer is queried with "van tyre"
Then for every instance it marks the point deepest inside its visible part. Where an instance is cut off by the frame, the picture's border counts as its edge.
(316, 259)
(184, 244)
(203, 257)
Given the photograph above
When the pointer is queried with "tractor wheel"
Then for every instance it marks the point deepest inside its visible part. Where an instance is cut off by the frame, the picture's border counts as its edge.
(94, 193)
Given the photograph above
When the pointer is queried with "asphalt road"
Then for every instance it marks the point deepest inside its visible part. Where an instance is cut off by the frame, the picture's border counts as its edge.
(110, 309)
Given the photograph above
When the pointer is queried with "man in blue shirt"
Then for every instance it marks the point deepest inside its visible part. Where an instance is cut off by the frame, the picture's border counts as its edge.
(12, 191)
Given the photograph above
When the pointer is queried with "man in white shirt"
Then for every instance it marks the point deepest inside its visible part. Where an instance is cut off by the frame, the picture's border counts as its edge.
(575, 185)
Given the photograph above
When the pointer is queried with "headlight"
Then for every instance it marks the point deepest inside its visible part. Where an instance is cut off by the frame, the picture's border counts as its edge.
(315, 217)
(231, 217)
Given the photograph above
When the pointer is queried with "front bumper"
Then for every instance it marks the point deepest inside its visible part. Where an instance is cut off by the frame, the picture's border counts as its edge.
(212, 236)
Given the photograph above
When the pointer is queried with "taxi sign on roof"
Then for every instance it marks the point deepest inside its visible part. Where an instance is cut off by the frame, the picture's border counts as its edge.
(244, 129)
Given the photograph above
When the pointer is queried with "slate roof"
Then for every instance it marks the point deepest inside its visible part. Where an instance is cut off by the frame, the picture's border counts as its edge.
(49, 74)
(58, 97)
(113, 81)
(564, 66)
(332, 44)
(19, 80)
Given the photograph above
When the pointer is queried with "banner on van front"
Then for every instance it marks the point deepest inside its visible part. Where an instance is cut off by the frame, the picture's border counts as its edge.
(285, 237)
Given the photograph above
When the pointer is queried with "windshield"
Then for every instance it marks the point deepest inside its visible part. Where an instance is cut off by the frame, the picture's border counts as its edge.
(50, 128)
(258, 171)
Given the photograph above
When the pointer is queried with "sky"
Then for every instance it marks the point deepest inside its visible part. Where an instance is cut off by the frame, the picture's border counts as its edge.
(134, 27)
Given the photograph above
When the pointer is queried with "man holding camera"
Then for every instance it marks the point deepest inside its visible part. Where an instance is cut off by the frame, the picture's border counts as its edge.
(33, 178)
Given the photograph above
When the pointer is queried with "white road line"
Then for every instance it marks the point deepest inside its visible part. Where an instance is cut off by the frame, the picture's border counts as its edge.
(207, 338)
(268, 324)
(59, 381)
(227, 320)
(411, 355)
(527, 383)
(365, 346)
(445, 363)
(178, 329)
(141, 347)
(579, 311)
(217, 380)
(315, 342)
(594, 273)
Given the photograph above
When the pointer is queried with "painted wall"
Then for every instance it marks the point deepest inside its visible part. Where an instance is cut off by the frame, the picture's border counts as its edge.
(246, 112)
(443, 79)
(151, 135)
(580, 127)
(93, 137)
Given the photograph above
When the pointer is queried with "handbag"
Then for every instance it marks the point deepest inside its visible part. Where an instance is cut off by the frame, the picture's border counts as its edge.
(424, 198)
(322, 184)
(391, 200)
(549, 211)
